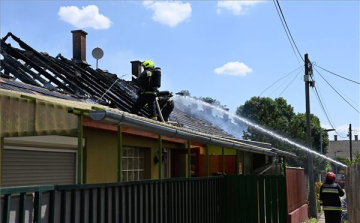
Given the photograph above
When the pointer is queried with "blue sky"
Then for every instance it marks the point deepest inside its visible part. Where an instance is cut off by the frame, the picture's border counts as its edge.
(229, 50)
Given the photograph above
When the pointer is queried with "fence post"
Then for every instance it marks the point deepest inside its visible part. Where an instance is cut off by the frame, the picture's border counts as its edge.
(282, 199)
(261, 199)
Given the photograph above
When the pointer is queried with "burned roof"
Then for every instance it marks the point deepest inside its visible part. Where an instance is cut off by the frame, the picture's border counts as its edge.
(29, 71)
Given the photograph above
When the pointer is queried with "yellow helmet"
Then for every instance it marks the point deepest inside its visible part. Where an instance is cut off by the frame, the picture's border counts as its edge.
(148, 64)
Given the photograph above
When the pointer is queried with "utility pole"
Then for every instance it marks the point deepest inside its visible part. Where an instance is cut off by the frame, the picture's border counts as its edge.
(308, 83)
(350, 137)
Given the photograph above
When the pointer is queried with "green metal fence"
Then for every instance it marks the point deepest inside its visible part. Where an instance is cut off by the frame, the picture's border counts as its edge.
(253, 198)
(199, 200)
(153, 201)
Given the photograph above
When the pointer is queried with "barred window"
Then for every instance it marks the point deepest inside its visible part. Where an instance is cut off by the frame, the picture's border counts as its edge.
(133, 163)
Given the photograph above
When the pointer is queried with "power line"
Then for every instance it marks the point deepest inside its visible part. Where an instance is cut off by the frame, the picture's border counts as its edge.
(349, 98)
(336, 91)
(323, 107)
(291, 43)
(290, 82)
(337, 75)
(317, 88)
(280, 79)
(287, 27)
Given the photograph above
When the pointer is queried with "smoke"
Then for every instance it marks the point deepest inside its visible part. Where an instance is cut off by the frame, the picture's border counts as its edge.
(211, 114)
(232, 124)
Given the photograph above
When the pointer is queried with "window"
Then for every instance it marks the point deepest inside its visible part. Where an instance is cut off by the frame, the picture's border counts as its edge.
(133, 163)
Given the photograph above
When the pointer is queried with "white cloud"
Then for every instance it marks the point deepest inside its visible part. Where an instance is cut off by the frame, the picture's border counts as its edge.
(234, 68)
(169, 13)
(236, 7)
(85, 17)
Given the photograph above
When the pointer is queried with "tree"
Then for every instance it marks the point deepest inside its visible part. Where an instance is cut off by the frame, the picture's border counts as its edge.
(212, 101)
(185, 93)
(279, 117)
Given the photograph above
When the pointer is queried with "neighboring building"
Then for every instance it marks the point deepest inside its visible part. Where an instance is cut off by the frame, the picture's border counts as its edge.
(48, 135)
(342, 147)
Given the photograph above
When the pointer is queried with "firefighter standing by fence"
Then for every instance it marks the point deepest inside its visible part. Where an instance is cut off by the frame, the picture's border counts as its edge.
(330, 193)
(148, 83)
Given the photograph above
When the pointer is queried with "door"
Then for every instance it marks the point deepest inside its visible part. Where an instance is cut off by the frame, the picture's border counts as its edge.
(179, 162)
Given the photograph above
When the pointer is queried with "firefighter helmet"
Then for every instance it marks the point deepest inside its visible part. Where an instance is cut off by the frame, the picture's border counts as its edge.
(148, 64)
(331, 176)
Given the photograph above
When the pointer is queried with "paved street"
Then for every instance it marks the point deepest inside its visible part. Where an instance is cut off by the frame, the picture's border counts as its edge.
(322, 218)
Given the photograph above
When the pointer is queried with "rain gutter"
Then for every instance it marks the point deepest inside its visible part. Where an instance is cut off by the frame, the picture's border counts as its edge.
(284, 153)
(136, 122)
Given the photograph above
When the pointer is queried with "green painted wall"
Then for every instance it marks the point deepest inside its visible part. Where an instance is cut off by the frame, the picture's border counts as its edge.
(1, 157)
(217, 150)
(100, 154)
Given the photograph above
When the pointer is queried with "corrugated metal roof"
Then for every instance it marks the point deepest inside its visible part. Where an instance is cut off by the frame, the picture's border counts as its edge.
(21, 116)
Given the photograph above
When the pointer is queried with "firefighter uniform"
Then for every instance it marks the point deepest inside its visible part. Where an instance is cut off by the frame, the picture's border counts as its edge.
(330, 193)
(147, 93)
(166, 104)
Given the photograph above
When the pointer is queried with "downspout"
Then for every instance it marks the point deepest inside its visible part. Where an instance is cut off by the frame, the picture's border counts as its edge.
(136, 122)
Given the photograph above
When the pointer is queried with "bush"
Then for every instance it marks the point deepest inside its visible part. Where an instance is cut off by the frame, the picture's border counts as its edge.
(317, 191)
(313, 220)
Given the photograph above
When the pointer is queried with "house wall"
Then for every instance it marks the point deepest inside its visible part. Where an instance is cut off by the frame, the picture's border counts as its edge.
(217, 150)
(100, 154)
(1, 157)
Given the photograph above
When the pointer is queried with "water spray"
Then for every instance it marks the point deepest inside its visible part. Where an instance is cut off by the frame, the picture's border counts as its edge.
(256, 126)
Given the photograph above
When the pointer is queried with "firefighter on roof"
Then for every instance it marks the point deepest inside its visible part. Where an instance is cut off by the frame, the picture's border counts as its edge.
(330, 193)
(149, 82)
(166, 104)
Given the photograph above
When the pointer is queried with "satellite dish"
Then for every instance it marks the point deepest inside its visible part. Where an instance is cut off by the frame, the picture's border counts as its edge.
(1, 57)
(97, 53)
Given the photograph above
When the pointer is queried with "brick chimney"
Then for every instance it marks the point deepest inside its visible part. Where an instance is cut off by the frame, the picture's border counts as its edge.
(356, 138)
(335, 137)
(79, 46)
(135, 68)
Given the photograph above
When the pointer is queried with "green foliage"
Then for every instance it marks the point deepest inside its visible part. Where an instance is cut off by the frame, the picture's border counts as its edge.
(185, 93)
(313, 220)
(208, 100)
(279, 117)
(212, 101)
(346, 160)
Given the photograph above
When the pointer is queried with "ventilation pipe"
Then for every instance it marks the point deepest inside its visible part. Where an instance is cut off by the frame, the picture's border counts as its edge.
(135, 69)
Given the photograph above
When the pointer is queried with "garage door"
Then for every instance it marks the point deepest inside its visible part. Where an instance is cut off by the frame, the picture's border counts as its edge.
(34, 166)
